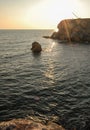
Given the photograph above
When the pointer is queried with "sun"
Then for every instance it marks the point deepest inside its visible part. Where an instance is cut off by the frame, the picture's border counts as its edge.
(56, 30)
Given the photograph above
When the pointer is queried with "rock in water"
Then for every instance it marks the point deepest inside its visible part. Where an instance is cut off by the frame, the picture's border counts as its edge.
(36, 47)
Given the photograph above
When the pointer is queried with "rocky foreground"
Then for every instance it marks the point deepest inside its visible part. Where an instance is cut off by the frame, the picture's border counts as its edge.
(25, 124)
(77, 30)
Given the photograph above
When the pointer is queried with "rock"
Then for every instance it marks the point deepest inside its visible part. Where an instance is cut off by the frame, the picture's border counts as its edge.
(46, 37)
(10, 127)
(73, 30)
(55, 35)
(36, 47)
(25, 124)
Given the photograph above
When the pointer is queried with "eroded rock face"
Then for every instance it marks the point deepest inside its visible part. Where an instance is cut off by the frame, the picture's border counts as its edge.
(73, 30)
(36, 47)
(24, 124)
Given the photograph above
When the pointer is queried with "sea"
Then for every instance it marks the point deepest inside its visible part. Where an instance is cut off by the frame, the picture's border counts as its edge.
(52, 85)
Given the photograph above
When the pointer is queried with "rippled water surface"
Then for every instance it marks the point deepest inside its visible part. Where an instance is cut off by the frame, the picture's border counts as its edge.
(53, 83)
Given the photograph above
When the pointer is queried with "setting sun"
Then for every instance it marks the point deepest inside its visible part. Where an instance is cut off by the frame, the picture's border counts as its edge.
(56, 30)
(39, 14)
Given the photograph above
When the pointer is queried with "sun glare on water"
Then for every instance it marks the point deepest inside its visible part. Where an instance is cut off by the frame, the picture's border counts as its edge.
(51, 46)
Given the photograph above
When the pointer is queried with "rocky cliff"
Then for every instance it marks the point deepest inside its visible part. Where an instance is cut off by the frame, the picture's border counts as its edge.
(73, 30)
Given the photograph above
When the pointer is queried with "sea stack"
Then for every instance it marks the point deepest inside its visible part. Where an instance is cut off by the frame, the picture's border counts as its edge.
(77, 30)
(36, 47)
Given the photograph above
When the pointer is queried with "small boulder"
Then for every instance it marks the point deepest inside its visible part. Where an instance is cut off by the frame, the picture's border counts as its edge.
(36, 47)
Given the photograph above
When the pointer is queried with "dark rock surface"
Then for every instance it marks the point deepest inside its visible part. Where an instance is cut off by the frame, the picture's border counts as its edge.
(77, 30)
(46, 36)
(36, 47)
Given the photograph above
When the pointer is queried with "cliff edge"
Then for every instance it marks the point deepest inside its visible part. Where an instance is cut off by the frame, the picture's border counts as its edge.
(77, 30)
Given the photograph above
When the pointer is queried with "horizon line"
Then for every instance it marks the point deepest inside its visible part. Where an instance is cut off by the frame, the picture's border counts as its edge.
(26, 29)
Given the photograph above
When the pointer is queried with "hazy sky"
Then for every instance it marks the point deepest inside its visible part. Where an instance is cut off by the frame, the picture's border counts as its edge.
(40, 14)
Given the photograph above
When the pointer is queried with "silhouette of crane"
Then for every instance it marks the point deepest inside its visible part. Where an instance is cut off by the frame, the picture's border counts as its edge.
(75, 15)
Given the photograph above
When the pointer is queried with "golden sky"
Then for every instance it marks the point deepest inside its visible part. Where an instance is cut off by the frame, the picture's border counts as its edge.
(40, 14)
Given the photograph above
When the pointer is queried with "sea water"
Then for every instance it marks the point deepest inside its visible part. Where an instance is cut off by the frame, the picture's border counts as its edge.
(53, 83)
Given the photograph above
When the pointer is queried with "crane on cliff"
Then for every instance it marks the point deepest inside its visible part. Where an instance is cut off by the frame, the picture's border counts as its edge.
(75, 15)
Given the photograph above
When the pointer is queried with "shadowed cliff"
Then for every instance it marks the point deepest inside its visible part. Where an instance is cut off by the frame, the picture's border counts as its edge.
(77, 30)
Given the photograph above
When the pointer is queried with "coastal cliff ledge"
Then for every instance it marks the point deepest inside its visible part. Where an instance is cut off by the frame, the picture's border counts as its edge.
(25, 124)
(77, 30)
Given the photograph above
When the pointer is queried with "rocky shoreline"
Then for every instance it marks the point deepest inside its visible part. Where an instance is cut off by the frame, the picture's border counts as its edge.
(77, 30)
(28, 124)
